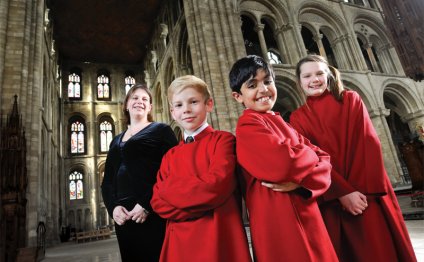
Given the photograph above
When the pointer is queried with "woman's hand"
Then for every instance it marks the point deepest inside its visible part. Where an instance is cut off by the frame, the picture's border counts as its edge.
(138, 214)
(283, 187)
(354, 203)
(120, 215)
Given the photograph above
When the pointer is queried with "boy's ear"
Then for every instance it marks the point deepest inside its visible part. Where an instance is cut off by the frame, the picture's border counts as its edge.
(238, 97)
(209, 105)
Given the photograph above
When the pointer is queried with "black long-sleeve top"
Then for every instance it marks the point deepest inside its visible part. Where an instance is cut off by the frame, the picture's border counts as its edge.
(142, 155)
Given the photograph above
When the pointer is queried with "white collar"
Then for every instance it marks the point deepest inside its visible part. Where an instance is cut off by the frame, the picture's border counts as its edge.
(197, 131)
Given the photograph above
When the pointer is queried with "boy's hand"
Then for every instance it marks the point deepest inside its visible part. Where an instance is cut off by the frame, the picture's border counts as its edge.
(283, 187)
(354, 203)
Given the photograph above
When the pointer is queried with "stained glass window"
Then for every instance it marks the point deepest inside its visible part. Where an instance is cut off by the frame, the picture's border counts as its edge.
(76, 185)
(77, 137)
(106, 135)
(129, 82)
(74, 86)
(103, 87)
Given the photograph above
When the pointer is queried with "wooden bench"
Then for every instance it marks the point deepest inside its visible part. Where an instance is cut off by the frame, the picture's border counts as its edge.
(93, 235)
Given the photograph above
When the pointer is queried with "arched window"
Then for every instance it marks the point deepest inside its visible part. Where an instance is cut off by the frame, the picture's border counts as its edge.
(76, 185)
(129, 82)
(106, 129)
(74, 86)
(77, 136)
(308, 39)
(103, 87)
(251, 39)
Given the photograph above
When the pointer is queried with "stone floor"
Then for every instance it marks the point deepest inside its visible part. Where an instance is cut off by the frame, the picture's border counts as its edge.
(107, 250)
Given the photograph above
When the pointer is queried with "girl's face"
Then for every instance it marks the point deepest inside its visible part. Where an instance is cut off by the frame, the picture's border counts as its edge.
(314, 78)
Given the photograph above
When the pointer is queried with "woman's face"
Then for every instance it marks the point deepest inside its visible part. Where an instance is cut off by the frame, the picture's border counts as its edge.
(314, 78)
(139, 104)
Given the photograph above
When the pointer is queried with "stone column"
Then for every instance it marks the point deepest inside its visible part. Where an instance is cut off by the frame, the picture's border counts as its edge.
(390, 155)
(296, 43)
(259, 28)
(371, 55)
(281, 45)
(318, 40)
(216, 42)
(340, 53)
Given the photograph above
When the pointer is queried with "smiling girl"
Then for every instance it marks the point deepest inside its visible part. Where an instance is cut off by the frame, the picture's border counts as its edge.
(360, 208)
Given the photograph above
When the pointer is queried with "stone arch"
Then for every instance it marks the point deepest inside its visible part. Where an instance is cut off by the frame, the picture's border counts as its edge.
(288, 98)
(329, 32)
(325, 27)
(107, 114)
(376, 25)
(401, 95)
(322, 15)
(366, 96)
(372, 34)
(402, 104)
(258, 9)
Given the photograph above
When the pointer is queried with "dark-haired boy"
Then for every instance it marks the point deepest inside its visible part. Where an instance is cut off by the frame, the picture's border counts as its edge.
(283, 172)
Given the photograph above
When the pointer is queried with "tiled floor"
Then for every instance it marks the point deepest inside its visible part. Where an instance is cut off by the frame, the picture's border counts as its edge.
(107, 250)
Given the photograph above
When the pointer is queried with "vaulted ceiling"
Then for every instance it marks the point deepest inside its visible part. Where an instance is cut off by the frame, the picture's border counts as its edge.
(103, 31)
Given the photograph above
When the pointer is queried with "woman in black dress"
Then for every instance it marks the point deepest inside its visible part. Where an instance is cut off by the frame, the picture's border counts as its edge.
(132, 163)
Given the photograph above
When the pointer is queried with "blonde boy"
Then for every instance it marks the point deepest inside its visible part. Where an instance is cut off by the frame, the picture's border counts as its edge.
(196, 183)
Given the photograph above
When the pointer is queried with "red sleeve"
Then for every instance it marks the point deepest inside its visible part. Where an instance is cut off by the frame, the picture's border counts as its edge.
(162, 207)
(201, 192)
(320, 179)
(270, 157)
(338, 186)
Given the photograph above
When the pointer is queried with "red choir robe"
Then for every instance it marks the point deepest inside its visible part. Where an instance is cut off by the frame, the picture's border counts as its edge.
(195, 192)
(345, 131)
(283, 226)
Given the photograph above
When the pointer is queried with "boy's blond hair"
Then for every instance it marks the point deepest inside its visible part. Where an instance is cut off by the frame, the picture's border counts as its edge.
(183, 82)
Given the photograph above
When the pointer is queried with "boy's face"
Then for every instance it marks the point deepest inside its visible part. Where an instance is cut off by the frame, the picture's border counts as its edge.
(258, 93)
(190, 109)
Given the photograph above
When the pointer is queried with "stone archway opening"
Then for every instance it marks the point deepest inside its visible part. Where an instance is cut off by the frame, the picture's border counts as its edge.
(409, 148)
